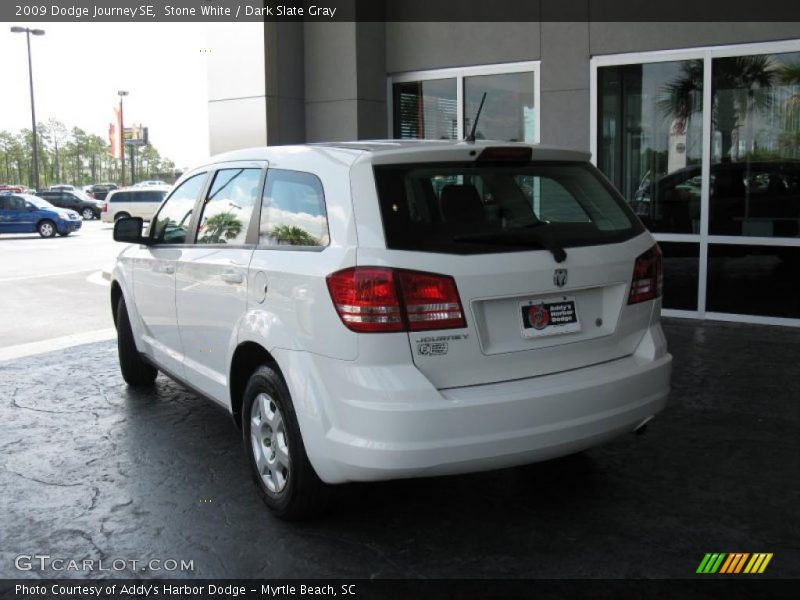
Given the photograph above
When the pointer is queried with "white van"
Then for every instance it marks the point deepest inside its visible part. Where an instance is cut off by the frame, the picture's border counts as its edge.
(133, 202)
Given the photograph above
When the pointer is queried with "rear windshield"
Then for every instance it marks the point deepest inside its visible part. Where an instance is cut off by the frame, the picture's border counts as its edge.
(473, 208)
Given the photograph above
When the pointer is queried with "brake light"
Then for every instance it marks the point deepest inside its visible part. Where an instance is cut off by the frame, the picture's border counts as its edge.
(104, 207)
(381, 299)
(648, 278)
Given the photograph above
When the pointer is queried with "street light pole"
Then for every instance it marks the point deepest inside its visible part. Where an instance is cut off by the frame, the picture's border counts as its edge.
(122, 93)
(28, 33)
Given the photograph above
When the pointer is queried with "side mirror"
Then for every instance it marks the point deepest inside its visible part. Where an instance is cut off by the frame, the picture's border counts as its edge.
(129, 230)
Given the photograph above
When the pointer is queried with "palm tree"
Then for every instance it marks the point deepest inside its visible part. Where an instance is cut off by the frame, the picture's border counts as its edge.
(293, 236)
(742, 86)
(220, 227)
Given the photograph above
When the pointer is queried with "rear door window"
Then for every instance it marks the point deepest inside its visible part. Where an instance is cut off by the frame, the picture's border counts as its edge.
(475, 208)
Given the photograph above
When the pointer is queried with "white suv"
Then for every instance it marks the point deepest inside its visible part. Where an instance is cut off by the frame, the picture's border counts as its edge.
(380, 310)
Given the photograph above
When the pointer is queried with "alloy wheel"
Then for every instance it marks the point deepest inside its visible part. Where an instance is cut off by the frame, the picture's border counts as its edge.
(270, 443)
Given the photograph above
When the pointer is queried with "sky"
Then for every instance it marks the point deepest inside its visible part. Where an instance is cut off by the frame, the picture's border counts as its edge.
(79, 67)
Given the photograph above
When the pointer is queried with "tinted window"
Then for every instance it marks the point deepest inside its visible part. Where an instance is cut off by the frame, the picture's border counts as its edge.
(12, 203)
(121, 197)
(172, 222)
(474, 209)
(293, 210)
(157, 197)
(229, 207)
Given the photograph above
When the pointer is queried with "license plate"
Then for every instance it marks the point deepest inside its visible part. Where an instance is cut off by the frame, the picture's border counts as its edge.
(549, 316)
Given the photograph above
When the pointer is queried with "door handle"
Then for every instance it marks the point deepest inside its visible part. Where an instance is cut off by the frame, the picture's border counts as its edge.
(168, 269)
(231, 277)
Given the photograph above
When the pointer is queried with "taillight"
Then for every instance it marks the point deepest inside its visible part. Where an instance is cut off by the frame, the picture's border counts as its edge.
(381, 299)
(648, 279)
(104, 207)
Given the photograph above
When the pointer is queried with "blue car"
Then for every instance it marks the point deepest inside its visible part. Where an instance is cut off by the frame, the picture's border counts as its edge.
(23, 213)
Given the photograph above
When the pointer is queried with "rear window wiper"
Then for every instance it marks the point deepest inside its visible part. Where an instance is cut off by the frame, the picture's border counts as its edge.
(516, 239)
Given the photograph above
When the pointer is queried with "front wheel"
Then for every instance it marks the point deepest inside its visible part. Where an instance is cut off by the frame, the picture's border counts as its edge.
(285, 478)
(135, 371)
(46, 228)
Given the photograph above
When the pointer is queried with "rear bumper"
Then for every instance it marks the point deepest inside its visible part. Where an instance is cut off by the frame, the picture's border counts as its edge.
(356, 435)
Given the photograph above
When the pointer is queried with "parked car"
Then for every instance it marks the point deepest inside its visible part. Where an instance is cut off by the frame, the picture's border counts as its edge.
(99, 191)
(759, 198)
(370, 311)
(76, 200)
(133, 202)
(19, 189)
(61, 187)
(151, 183)
(24, 213)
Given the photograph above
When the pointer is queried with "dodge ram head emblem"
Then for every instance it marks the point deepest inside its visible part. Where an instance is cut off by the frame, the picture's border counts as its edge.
(560, 277)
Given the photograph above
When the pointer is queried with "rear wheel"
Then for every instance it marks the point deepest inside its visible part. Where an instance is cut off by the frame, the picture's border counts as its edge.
(46, 228)
(275, 450)
(135, 371)
(87, 213)
(120, 215)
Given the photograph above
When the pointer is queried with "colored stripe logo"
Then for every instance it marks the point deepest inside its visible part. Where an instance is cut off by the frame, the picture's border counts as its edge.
(734, 563)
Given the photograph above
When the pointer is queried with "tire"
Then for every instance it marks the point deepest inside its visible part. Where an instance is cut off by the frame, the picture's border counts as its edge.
(64, 234)
(135, 371)
(87, 214)
(290, 489)
(120, 215)
(46, 228)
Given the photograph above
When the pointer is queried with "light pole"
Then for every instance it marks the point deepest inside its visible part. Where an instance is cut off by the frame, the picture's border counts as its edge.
(28, 33)
(122, 94)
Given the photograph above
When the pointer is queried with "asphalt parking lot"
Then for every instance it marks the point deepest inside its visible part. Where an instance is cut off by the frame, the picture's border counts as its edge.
(91, 470)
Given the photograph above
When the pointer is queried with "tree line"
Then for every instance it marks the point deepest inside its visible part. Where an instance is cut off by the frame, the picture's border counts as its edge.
(74, 157)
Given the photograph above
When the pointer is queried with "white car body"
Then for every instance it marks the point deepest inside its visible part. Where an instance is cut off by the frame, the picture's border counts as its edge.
(375, 406)
(132, 202)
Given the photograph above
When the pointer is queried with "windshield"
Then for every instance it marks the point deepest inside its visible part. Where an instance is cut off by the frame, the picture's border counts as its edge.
(38, 202)
(473, 208)
(82, 195)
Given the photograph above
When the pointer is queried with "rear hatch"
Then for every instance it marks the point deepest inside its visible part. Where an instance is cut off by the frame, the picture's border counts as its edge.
(542, 255)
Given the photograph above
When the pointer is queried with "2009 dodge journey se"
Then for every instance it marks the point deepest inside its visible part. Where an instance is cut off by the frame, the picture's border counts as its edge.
(379, 310)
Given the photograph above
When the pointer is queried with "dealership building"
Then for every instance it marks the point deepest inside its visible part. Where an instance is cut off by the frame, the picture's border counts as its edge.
(697, 124)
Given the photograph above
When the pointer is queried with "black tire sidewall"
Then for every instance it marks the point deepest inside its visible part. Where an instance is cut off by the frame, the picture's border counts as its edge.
(266, 379)
(135, 371)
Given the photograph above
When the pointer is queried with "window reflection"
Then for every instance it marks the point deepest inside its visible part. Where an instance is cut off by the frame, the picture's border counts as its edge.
(755, 148)
(508, 111)
(650, 140)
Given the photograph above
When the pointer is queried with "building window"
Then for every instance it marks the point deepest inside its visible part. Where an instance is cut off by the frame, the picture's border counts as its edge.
(442, 104)
(426, 109)
(651, 123)
(755, 146)
(705, 145)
